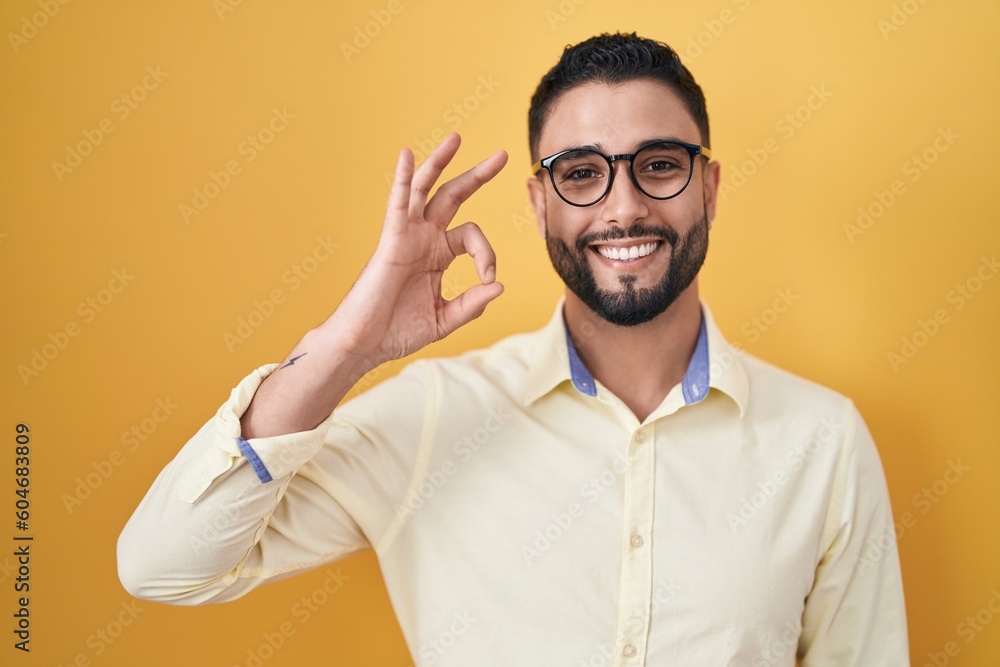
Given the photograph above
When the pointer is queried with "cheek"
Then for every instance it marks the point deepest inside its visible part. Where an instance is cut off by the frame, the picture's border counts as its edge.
(568, 222)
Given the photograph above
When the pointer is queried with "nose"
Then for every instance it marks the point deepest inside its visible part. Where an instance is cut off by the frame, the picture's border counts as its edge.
(623, 203)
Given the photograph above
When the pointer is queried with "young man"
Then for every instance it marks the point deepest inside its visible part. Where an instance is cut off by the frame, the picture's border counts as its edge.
(620, 487)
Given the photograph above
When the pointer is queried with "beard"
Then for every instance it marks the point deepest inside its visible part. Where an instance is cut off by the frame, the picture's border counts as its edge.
(628, 306)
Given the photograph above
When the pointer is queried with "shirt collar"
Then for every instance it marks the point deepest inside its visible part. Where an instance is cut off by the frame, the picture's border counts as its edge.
(715, 363)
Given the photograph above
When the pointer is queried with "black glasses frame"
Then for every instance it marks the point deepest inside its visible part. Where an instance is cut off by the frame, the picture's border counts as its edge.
(693, 150)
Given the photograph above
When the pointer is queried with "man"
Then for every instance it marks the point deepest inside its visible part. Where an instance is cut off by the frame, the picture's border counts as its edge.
(620, 487)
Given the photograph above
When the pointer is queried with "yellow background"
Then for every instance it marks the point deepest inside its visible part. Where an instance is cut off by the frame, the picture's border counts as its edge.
(899, 75)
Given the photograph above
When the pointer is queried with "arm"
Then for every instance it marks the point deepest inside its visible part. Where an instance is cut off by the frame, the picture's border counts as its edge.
(395, 307)
(244, 501)
(855, 614)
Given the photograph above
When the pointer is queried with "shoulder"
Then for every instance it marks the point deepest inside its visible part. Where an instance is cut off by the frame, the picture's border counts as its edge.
(505, 363)
(775, 392)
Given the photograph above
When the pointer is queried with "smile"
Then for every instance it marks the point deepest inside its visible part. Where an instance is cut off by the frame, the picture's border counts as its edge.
(627, 253)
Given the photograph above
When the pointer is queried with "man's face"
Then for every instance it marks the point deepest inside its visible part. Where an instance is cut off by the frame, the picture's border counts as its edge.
(671, 235)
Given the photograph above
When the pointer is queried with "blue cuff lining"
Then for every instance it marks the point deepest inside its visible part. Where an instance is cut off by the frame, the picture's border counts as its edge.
(258, 466)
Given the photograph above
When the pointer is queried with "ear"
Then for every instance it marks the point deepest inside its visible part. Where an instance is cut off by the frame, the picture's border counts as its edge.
(712, 173)
(536, 193)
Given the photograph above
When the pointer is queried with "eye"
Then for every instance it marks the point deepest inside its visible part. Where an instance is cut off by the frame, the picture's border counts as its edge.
(660, 165)
(661, 160)
(579, 168)
(581, 174)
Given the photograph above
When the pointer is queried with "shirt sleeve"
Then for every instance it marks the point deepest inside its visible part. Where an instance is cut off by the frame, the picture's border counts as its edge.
(855, 613)
(227, 514)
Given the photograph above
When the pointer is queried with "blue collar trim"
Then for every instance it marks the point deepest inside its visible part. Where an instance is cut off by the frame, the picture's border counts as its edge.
(694, 386)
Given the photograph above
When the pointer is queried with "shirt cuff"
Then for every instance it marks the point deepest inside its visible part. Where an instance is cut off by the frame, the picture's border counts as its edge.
(271, 458)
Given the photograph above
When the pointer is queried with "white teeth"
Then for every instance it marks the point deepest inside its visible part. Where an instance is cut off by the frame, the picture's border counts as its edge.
(627, 254)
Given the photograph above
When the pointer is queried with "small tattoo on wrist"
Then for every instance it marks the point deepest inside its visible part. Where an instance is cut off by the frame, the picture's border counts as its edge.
(291, 362)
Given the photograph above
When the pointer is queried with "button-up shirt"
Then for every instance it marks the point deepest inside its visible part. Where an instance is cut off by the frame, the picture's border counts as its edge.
(522, 515)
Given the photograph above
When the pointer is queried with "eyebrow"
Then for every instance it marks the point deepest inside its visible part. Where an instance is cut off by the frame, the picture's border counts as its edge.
(600, 148)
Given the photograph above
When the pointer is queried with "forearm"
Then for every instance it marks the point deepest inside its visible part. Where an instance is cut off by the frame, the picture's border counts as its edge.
(307, 386)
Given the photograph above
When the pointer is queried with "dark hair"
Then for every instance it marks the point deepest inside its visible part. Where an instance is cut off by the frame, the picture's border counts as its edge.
(615, 59)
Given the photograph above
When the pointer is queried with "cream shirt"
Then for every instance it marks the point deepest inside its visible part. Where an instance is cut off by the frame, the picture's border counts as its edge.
(522, 515)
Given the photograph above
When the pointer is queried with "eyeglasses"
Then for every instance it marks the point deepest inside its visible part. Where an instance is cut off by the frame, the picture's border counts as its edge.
(660, 170)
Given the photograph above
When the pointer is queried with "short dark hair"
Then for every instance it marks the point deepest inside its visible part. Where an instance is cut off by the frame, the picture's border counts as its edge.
(615, 59)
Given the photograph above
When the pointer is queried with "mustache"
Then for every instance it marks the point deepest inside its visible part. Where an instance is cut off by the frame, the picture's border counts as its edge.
(637, 230)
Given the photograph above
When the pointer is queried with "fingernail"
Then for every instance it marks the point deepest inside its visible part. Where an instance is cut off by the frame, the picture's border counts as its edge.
(491, 273)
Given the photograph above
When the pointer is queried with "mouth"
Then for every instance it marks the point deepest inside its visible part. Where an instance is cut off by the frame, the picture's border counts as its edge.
(631, 254)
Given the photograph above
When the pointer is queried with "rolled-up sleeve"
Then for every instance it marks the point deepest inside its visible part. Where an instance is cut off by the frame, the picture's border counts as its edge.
(229, 514)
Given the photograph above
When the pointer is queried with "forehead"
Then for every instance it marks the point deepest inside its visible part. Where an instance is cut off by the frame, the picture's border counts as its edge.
(616, 118)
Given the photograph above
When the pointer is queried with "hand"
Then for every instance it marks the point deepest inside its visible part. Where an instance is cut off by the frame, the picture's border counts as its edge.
(395, 307)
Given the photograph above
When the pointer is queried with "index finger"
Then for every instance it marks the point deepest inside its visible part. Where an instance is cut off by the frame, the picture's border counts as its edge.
(444, 204)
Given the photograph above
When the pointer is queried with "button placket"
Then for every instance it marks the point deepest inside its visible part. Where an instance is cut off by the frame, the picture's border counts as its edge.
(637, 566)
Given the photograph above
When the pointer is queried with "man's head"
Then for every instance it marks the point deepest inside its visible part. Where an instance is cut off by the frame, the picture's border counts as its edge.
(615, 59)
(616, 94)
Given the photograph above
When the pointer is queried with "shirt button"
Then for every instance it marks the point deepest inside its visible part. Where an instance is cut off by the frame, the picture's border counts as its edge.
(636, 541)
(628, 651)
(640, 436)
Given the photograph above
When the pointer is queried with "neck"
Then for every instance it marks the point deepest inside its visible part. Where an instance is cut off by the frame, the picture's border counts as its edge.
(640, 364)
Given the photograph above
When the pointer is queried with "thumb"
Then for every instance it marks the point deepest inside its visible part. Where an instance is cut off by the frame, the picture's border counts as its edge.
(469, 305)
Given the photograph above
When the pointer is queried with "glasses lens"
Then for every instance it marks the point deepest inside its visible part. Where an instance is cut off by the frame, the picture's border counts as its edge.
(581, 177)
(662, 170)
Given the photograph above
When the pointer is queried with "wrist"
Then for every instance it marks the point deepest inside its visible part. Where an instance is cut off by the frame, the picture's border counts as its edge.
(353, 358)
